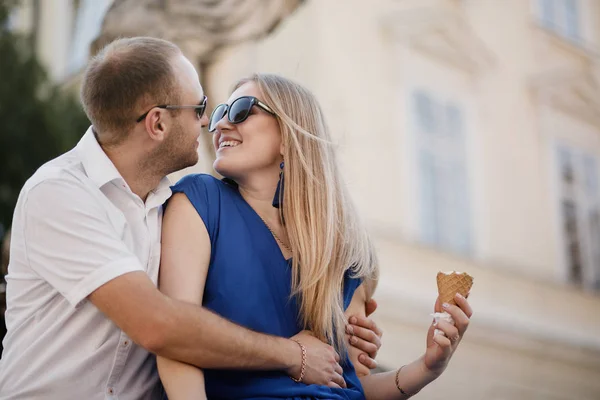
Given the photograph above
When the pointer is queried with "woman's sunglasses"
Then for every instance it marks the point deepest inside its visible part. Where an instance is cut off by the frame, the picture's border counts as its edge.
(237, 112)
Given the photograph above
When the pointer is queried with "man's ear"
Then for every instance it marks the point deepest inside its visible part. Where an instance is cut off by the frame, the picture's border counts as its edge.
(156, 124)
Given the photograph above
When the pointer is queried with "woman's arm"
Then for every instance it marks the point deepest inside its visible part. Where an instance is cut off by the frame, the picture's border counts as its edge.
(183, 269)
(412, 378)
(418, 374)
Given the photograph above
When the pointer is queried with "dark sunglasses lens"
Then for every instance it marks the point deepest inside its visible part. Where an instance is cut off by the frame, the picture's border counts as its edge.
(217, 114)
(239, 110)
(200, 111)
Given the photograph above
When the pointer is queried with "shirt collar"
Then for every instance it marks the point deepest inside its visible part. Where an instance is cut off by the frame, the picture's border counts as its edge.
(160, 194)
(98, 167)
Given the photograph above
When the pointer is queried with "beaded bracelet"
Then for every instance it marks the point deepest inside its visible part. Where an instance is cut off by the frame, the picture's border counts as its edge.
(398, 383)
(303, 368)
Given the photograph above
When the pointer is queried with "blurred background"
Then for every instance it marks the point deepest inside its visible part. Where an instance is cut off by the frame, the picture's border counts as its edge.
(469, 133)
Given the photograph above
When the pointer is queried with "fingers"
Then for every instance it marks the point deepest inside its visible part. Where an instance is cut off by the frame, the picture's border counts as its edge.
(370, 335)
(444, 343)
(367, 361)
(336, 356)
(361, 370)
(449, 330)
(464, 305)
(338, 369)
(338, 380)
(461, 320)
(367, 324)
(363, 345)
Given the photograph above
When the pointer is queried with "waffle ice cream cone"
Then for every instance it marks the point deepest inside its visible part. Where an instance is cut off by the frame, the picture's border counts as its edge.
(450, 283)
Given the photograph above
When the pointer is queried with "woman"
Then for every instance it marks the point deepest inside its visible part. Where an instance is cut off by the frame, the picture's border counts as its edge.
(279, 264)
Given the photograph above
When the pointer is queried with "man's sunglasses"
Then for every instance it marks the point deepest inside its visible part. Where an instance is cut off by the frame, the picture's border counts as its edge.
(237, 112)
(199, 108)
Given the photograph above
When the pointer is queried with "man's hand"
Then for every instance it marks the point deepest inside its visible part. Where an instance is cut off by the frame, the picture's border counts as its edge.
(365, 335)
(322, 362)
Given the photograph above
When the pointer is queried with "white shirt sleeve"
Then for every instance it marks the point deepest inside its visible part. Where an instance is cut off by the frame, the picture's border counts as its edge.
(70, 241)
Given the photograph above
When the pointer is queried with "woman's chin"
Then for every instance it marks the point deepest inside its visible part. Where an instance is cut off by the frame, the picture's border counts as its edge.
(217, 167)
(223, 169)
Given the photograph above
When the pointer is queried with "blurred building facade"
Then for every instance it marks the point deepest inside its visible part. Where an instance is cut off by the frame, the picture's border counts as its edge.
(469, 133)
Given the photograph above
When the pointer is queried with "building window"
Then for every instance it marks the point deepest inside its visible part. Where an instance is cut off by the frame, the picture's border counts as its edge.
(443, 184)
(580, 215)
(88, 24)
(562, 17)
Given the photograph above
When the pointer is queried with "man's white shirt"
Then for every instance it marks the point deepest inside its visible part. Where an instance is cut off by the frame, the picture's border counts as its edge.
(77, 225)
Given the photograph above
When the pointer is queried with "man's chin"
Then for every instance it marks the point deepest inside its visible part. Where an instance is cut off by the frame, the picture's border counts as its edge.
(191, 162)
(184, 163)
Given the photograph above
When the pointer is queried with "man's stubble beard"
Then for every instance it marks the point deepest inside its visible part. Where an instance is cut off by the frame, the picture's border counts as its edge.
(173, 154)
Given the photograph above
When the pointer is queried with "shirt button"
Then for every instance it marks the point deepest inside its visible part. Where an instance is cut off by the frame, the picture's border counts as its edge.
(126, 343)
(110, 391)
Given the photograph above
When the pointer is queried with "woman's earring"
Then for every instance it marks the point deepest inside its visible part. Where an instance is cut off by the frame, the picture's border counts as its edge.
(278, 198)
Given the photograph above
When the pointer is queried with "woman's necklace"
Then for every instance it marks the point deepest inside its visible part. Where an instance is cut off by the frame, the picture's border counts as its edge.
(275, 235)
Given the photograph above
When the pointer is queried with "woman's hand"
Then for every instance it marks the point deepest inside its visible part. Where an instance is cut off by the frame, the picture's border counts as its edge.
(440, 348)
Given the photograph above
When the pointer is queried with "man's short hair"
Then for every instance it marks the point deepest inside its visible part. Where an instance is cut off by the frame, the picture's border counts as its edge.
(125, 75)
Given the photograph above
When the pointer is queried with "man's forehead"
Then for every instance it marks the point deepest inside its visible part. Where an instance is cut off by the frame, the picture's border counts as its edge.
(188, 77)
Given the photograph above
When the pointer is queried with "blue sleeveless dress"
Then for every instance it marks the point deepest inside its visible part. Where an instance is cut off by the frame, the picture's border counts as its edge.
(249, 283)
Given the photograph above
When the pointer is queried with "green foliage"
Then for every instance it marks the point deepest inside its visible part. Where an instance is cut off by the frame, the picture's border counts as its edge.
(37, 120)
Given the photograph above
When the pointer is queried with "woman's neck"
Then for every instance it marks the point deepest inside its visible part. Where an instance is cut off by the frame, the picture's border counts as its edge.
(258, 191)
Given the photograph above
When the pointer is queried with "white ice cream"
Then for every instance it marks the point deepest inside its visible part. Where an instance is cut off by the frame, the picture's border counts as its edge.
(444, 316)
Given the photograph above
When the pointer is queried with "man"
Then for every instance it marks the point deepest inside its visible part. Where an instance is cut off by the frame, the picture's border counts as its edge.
(84, 313)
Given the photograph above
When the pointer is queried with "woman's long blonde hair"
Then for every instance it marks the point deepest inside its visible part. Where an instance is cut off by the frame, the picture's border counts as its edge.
(325, 233)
